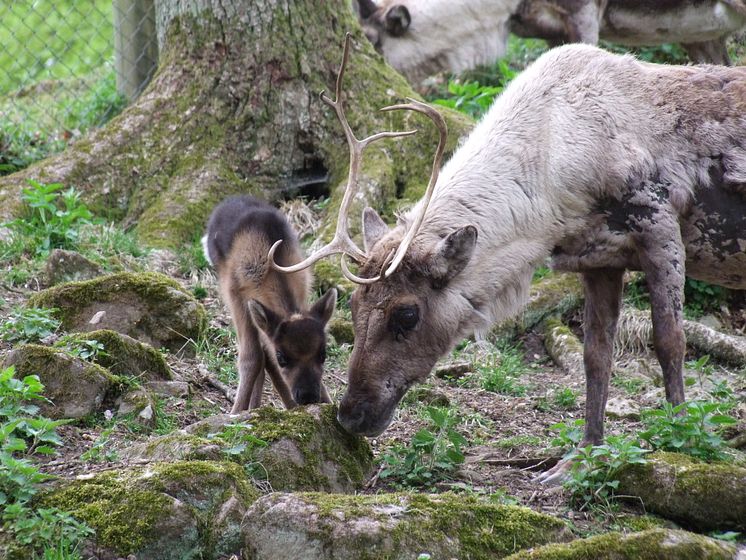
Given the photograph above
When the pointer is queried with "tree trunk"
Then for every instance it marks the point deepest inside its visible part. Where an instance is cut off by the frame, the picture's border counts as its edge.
(234, 108)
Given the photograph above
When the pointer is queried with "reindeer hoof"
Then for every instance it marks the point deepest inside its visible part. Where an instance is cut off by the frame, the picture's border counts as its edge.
(558, 474)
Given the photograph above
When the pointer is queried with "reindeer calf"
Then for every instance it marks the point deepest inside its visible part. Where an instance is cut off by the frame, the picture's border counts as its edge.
(276, 331)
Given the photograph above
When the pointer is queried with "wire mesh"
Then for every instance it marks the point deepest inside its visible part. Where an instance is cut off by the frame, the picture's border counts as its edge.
(67, 66)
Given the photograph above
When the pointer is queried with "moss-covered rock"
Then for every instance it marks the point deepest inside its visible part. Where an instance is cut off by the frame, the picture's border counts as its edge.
(654, 544)
(123, 355)
(139, 405)
(391, 526)
(702, 496)
(149, 306)
(342, 330)
(300, 449)
(76, 388)
(177, 511)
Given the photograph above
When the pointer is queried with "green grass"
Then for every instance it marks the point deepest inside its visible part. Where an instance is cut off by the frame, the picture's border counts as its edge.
(56, 76)
(52, 40)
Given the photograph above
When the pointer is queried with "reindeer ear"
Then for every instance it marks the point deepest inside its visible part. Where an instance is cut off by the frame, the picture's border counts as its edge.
(373, 228)
(398, 20)
(451, 256)
(264, 318)
(324, 307)
(366, 8)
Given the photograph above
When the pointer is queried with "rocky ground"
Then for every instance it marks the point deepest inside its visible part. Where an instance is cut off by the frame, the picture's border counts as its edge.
(150, 442)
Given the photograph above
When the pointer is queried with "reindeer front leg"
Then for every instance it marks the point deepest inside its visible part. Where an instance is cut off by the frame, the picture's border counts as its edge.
(603, 296)
(251, 359)
(278, 381)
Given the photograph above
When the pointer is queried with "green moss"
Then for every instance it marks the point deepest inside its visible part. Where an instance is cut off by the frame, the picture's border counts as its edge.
(705, 496)
(466, 526)
(172, 313)
(130, 510)
(552, 295)
(342, 330)
(654, 544)
(128, 357)
(123, 517)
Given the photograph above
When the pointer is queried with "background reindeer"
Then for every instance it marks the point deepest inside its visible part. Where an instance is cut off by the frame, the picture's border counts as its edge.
(275, 329)
(422, 37)
(604, 162)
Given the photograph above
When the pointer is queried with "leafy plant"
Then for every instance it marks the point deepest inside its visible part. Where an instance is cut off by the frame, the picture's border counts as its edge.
(99, 451)
(469, 97)
(28, 324)
(87, 350)
(701, 297)
(593, 477)
(693, 428)
(570, 435)
(433, 454)
(52, 217)
(237, 440)
(23, 434)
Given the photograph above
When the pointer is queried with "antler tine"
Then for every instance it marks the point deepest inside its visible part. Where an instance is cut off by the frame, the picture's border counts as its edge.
(440, 123)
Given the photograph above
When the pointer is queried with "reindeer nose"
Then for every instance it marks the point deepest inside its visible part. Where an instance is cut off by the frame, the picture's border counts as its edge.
(307, 396)
(351, 416)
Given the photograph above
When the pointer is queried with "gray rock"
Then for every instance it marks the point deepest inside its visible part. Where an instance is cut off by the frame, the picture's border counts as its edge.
(148, 306)
(697, 495)
(178, 511)
(300, 449)
(176, 389)
(392, 526)
(619, 407)
(76, 388)
(661, 544)
(69, 266)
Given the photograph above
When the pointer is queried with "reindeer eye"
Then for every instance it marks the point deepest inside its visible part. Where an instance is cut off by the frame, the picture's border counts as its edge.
(404, 319)
(282, 361)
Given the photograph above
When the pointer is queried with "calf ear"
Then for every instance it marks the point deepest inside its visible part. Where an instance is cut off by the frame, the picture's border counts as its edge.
(451, 255)
(366, 8)
(397, 20)
(264, 317)
(373, 228)
(324, 307)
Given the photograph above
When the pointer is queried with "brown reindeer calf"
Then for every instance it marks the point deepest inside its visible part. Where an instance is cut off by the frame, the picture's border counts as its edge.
(276, 331)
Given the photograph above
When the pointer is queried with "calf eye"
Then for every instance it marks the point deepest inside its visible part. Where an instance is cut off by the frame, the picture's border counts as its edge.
(282, 361)
(404, 319)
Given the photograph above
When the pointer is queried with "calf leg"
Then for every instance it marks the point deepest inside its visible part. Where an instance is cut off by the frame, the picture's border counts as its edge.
(250, 356)
(603, 297)
(257, 390)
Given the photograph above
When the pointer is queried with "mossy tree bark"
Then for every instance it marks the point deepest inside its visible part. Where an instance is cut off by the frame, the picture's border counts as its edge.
(234, 108)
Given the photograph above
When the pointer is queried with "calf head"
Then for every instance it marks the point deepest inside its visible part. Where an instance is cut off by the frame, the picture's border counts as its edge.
(298, 345)
(403, 323)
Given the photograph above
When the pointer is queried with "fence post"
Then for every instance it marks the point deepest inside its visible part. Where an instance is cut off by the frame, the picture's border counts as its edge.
(135, 45)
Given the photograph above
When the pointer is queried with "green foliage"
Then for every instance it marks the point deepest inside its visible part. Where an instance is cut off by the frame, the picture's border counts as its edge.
(192, 258)
(52, 218)
(593, 477)
(217, 349)
(28, 324)
(88, 350)
(500, 372)
(693, 428)
(565, 398)
(632, 386)
(100, 450)
(663, 54)
(237, 440)
(469, 97)
(701, 297)
(570, 435)
(23, 434)
(433, 454)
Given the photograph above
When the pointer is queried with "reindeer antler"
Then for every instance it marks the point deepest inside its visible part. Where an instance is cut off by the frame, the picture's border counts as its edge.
(342, 242)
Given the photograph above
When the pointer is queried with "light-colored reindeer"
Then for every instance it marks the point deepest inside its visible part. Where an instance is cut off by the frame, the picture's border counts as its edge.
(421, 37)
(275, 329)
(599, 160)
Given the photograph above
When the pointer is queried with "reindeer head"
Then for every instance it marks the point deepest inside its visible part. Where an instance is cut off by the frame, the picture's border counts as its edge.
(402, 318)
(379, 22)
(299, 345)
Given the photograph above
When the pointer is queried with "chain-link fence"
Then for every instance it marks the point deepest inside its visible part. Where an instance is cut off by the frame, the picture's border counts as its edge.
(67, 66)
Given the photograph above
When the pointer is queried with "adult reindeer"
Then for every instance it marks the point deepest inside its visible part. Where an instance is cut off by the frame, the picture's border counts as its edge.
(599, 160)
(421, 37)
